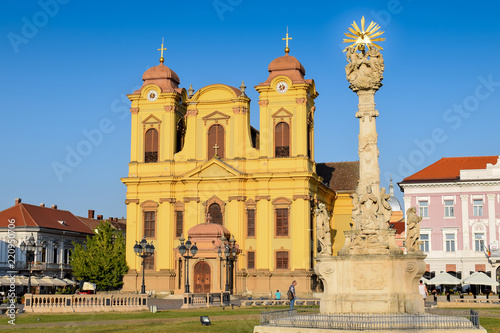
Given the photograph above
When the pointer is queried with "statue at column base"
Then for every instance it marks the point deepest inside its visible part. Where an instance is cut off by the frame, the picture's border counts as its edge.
(362, 242)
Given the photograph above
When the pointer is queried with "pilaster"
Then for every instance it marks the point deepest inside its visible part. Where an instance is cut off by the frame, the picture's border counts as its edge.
(464, 198)
(491, 217)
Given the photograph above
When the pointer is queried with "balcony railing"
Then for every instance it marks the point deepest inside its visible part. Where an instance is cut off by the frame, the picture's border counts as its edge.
(41, 266)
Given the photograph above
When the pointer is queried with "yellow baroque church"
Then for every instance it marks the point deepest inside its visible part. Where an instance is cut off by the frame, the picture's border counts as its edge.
(198, 170)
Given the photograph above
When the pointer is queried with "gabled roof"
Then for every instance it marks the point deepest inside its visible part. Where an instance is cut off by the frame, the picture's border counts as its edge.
(27, 215)
(339, 176)
(448, 168)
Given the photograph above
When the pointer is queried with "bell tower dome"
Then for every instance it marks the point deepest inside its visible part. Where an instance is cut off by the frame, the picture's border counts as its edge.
(158, 110)
(287, 109)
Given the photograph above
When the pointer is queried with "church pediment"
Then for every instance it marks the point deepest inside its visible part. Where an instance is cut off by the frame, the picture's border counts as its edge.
(213, 169)
(216, 116)
(282, 113)
(151, 120)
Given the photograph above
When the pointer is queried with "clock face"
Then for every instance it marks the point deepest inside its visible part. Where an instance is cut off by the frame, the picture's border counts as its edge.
(281, 87)
(152, 95)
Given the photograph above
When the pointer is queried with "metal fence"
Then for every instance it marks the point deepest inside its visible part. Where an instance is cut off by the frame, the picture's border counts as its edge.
(367, 321)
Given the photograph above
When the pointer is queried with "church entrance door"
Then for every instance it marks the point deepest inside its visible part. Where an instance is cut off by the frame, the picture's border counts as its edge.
(202, 277)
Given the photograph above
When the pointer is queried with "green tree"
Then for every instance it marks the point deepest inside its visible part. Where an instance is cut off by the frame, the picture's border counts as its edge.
(101, 260)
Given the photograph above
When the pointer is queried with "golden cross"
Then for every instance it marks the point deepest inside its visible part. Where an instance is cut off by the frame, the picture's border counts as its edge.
(215, 148)
(162, 49)
(209, 218)
(287, 49)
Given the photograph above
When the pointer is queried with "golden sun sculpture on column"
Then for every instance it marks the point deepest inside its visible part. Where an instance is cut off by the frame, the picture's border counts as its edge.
(359, 37)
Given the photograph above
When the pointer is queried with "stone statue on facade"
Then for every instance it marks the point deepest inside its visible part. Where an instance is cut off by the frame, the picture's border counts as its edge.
(323, 230)
(412, 230)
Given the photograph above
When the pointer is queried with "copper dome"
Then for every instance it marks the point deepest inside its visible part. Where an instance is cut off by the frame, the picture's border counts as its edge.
(286, 63)
(208, 230)
(162, 76)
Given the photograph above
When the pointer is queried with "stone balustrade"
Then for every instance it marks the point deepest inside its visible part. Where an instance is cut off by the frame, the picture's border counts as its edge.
(271, 302)
(84, 303)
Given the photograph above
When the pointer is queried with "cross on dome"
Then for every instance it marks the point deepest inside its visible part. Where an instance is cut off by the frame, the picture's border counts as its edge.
(161, 50)
(287, 49)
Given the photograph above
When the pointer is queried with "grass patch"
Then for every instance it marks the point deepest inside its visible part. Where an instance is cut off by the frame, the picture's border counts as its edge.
(32, 318)
(236, 326)
(492, 325)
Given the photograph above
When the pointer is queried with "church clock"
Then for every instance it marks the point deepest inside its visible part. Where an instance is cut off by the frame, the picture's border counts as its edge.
(281, 87)
(152, 95)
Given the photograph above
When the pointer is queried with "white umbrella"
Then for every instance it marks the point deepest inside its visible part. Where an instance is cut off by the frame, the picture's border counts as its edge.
(19, 280)
(70, 282)
(424, 280)
(444, 278)
(4, 281)
(58, 283)
(481, 279)
(41, 282)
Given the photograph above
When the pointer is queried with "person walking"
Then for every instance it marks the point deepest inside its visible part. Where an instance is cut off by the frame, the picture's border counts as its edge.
(291, 294)
(422, 289)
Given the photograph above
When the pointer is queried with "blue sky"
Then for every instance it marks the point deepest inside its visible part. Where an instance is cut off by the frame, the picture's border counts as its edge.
(67, 66)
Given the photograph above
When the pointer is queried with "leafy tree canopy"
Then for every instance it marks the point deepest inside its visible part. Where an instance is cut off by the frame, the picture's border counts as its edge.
(101, 260)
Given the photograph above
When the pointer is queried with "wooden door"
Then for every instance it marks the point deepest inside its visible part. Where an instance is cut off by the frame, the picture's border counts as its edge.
(202, 277)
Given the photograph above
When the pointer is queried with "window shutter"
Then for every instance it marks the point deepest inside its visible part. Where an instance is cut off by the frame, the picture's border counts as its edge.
(216, 136)
(215, 213)
(251, 260)
(282, 140)
(251, 223)
(152, 140)
(179, 223)
(151, 146)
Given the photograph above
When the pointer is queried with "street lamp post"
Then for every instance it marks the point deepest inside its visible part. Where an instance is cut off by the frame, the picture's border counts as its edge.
(144, 250)
(227, 251)
(184, 250)
(28, 248)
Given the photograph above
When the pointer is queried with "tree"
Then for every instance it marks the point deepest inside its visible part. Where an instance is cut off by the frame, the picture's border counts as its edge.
(101, 260)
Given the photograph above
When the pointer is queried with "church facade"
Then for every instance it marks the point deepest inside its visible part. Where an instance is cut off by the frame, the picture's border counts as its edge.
(198, 170)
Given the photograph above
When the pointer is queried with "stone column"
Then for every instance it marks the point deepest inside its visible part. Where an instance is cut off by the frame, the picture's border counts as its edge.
(371, 274)
(371, 211)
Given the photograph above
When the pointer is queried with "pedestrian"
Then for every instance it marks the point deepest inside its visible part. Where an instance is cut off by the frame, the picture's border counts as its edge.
(422, 290)
(277, 295)
(291, 294)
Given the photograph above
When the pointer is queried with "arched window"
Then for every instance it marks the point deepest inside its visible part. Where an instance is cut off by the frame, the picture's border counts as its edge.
(151, 146)
(216, 141)
(181, 131)
(215, 213)
(282, 140)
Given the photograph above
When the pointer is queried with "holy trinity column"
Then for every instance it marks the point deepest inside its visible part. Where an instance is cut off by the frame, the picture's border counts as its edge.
(371, 211)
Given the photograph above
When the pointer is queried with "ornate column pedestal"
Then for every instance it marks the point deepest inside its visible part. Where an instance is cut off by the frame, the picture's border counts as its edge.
(371, 283)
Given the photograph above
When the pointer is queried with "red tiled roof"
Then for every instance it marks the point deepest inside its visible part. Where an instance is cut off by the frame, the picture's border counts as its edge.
(27, 215)
(120, 224)
(91, 223)
(448, 168)
(339, 176)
